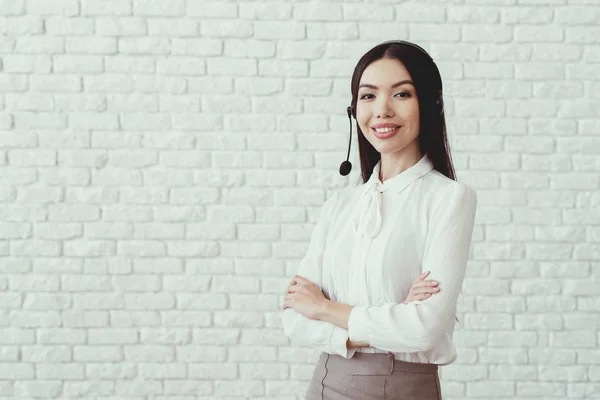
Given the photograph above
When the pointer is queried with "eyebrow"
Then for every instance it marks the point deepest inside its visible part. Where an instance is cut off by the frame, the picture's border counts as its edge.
(395, 85)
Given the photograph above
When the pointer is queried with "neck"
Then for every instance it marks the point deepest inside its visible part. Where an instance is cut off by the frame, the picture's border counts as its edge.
(393, 164)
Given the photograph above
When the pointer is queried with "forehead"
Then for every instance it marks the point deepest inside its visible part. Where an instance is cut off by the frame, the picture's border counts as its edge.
(385, 72)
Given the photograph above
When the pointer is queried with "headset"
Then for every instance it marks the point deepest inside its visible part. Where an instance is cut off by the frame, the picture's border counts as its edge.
(346, 166)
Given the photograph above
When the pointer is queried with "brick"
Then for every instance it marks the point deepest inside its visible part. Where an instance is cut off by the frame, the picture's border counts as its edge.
(538, 389)
(121, 26)
(160, 8)
(493, 389)
(91, 45)
(59, 7)
(213, 371)
(45, 45)
(270, 11)
(285, 30)
(170, 27)
(143, 45)
(487, 33)
(535, 33)
(26, 63)
(106, 7)
(12, 7)
(64, 25)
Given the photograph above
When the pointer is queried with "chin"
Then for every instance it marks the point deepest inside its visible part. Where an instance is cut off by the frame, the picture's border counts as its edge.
(388, 150)
(386, 146)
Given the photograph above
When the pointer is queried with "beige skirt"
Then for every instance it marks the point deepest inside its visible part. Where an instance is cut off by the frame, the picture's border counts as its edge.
(372, 376)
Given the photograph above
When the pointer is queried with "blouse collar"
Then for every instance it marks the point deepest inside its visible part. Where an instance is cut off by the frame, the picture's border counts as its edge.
(368, 213)
(403, 179)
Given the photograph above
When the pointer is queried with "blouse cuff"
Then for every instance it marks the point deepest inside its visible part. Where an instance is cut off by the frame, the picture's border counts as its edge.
(339, 336)
(357, 325)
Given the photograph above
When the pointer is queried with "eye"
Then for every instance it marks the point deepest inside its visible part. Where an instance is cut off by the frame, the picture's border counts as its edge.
(405, 95)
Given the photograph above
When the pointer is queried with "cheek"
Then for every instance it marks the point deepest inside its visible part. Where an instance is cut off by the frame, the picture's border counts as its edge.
(414, 111)
(366, 131)
(362, 122)
(361, 116)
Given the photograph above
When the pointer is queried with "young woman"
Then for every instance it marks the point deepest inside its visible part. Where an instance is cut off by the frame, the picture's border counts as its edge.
(360, 295)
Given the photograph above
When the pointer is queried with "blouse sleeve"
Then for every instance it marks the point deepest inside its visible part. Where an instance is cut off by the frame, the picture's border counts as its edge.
(417, 326)
(321, 335)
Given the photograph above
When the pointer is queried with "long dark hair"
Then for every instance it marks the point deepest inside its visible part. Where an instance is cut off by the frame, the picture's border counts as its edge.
(428, 84)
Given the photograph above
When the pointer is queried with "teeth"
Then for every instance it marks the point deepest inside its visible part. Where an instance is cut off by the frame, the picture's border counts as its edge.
(384, 130)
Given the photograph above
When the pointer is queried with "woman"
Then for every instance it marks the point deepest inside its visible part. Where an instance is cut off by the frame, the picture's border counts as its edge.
(360, 295)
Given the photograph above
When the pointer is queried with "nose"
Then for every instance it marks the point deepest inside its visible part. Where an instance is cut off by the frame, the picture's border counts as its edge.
(383, 109)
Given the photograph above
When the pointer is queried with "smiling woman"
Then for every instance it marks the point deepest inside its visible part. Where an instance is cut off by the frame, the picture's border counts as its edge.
(360, 294)
(398, 83)
(388, 113)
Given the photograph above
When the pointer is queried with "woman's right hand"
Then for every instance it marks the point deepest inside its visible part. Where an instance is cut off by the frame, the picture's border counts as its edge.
(422, 289)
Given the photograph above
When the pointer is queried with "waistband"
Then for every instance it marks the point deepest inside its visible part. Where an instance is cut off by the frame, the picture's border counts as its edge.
(374, 364)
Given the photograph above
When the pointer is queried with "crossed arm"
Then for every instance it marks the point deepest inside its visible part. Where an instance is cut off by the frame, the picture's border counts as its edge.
(338, 314)
(317, 307)
(339, 328)
(306, 298)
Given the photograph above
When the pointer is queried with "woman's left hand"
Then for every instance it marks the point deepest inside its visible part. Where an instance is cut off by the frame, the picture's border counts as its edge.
(305, 297)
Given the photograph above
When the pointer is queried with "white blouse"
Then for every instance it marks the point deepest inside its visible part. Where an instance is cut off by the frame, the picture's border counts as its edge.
(370, 244)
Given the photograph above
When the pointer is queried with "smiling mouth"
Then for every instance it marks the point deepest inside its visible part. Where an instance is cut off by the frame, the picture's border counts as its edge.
(385, 133)
(385, 130)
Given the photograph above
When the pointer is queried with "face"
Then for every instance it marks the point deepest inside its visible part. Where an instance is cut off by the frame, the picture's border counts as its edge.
(387, 108)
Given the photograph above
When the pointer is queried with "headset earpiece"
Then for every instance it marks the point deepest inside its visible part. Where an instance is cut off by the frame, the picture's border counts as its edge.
(351, 112)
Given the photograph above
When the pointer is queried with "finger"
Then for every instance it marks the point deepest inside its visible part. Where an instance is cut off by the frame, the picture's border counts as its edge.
(419, 296)
(426, 283)
(428, 289)
(293, 289)
(289, 288)
(293, 283)
(422, 284)
(418, 284)
(302, 280)
(421, 277)
(424, 290)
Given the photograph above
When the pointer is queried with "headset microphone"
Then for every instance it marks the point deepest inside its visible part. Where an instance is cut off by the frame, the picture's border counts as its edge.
(346, 166)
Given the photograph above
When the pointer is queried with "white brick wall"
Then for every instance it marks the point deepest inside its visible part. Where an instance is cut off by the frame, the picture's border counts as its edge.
(163, 162)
